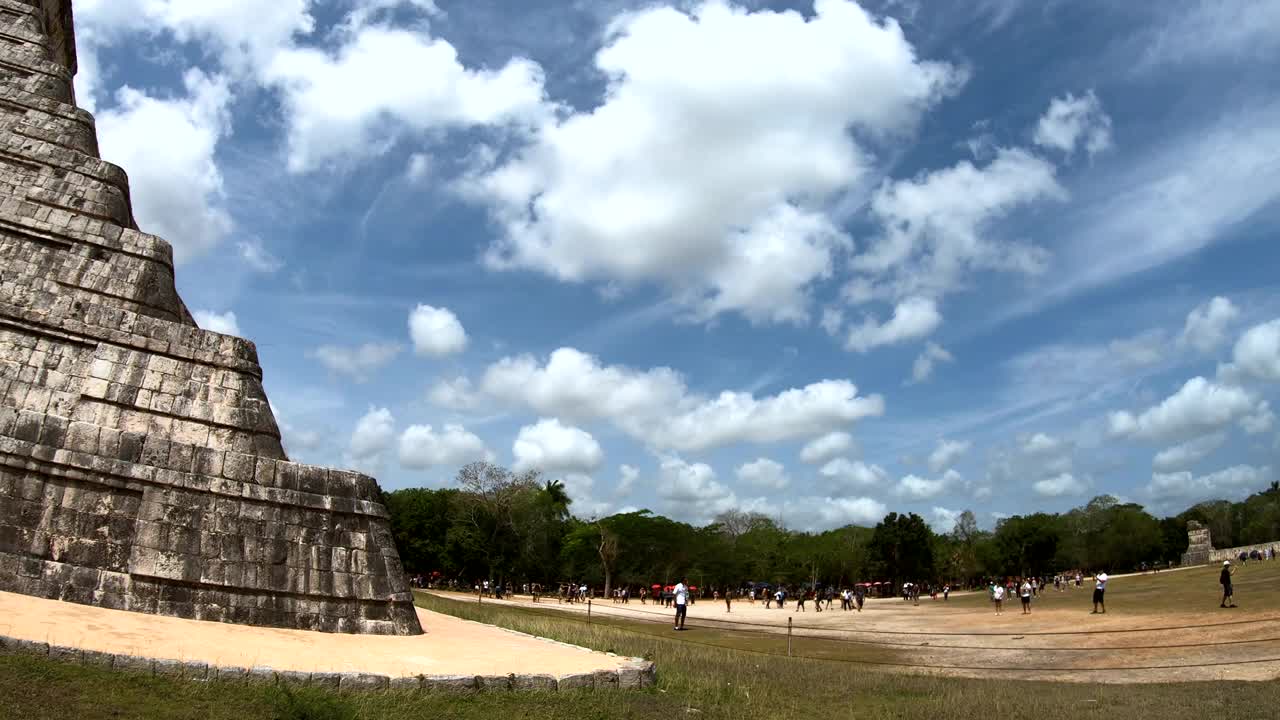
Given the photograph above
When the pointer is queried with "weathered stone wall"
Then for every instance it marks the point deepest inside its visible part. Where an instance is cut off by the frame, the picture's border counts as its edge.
(140, 465)
(1200, 548)
(1233, 553)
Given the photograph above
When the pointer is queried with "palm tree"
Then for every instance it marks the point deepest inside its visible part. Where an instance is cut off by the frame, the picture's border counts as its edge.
(558, 498)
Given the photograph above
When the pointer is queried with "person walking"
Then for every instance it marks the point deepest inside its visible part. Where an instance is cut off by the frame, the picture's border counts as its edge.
(1225, 580)
(859, 596)
(682, 603)
(1099, 591)
(726, 601)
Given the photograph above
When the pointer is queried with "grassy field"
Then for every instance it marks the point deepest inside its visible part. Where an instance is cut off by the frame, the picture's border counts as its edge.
(727, 677)
(1192, 591)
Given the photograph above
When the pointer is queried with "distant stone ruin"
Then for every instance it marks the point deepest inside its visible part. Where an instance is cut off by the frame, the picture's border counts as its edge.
(1199, 545)
(1200, 548)
(140, 465)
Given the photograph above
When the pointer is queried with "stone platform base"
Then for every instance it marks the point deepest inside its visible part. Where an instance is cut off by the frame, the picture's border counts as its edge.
(455, 654)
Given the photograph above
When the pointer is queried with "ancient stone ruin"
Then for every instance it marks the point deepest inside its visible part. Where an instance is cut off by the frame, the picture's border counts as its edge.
(1200, 549)
(1199, 545)
(140, 465)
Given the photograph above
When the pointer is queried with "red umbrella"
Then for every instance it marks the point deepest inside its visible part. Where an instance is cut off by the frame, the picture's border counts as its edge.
(657, 586)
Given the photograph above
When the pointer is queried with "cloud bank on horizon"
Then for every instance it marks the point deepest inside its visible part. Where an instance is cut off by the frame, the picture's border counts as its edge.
(817, 259)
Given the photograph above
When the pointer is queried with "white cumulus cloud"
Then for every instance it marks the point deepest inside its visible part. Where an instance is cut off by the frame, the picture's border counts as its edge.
(423, 446)
(436, 331)
(707, 168)
(343, 104)
(692, 491)
(763, 474)
(843, 475)
(224, 323)
(1231, 483)
(1198, 408)
(1260, 421)
(936, 228)
(553, 447)
(1187, 454)
(357, 363)
(453, 394)
(177, 194)
(374, 433)
(1062, 485)
(822, 449)
(627, 477)
(946, 453)
(922, 368)
(656, 407)
(1207, 325)
(1072, 121)
(914, 487)
(912, 319)
(1257, 352)
(943, 520)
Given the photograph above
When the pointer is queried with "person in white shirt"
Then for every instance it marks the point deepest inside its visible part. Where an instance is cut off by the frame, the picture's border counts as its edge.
(997, 595)
(1099, 587)
(682, 600)
(1024, 592)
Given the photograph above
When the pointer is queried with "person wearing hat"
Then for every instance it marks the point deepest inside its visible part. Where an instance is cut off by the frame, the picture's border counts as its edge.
(1225, 580)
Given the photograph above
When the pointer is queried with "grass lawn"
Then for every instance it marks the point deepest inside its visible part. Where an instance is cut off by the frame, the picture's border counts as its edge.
(728, 677)
(1193, 591)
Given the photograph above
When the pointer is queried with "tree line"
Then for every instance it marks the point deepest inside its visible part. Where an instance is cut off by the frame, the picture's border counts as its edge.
(518, 528)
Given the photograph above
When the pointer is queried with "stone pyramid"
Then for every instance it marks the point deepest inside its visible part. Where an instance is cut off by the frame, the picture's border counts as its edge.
(140, 465)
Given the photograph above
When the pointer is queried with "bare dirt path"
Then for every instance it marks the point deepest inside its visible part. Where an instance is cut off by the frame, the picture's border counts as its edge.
(1165, 619)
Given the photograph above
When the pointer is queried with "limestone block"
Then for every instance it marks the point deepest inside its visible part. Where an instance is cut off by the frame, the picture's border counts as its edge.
(606, 679)
(134, 664)
(363, 682)
(198, 671)
(66, 654)
(95, 658)
(543, 683)
(493, 682)
(230, 674)
(412, 682)
(576, 681)
(293, 677)
(167, 668)
(261, 674)
(449, 683)
(329, 680)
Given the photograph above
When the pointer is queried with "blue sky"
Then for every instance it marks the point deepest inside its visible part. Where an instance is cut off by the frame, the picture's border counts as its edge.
(818, 260)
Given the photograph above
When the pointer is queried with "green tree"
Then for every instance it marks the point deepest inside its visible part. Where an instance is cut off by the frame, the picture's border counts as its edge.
(1027, 545)
(902, 548)
(420, 523)
(965, 538)
(487, 519)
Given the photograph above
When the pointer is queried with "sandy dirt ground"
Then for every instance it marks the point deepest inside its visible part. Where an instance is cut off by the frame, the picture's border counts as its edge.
(450, 646)
(965, 633)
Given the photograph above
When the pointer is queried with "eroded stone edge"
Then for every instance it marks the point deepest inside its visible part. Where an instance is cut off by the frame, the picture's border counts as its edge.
(635, 673)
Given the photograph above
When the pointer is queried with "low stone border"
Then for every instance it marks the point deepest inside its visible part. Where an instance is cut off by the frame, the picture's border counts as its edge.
(635, 673)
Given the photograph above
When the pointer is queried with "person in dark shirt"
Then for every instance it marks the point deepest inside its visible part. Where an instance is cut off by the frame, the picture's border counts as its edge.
(1225, 580)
